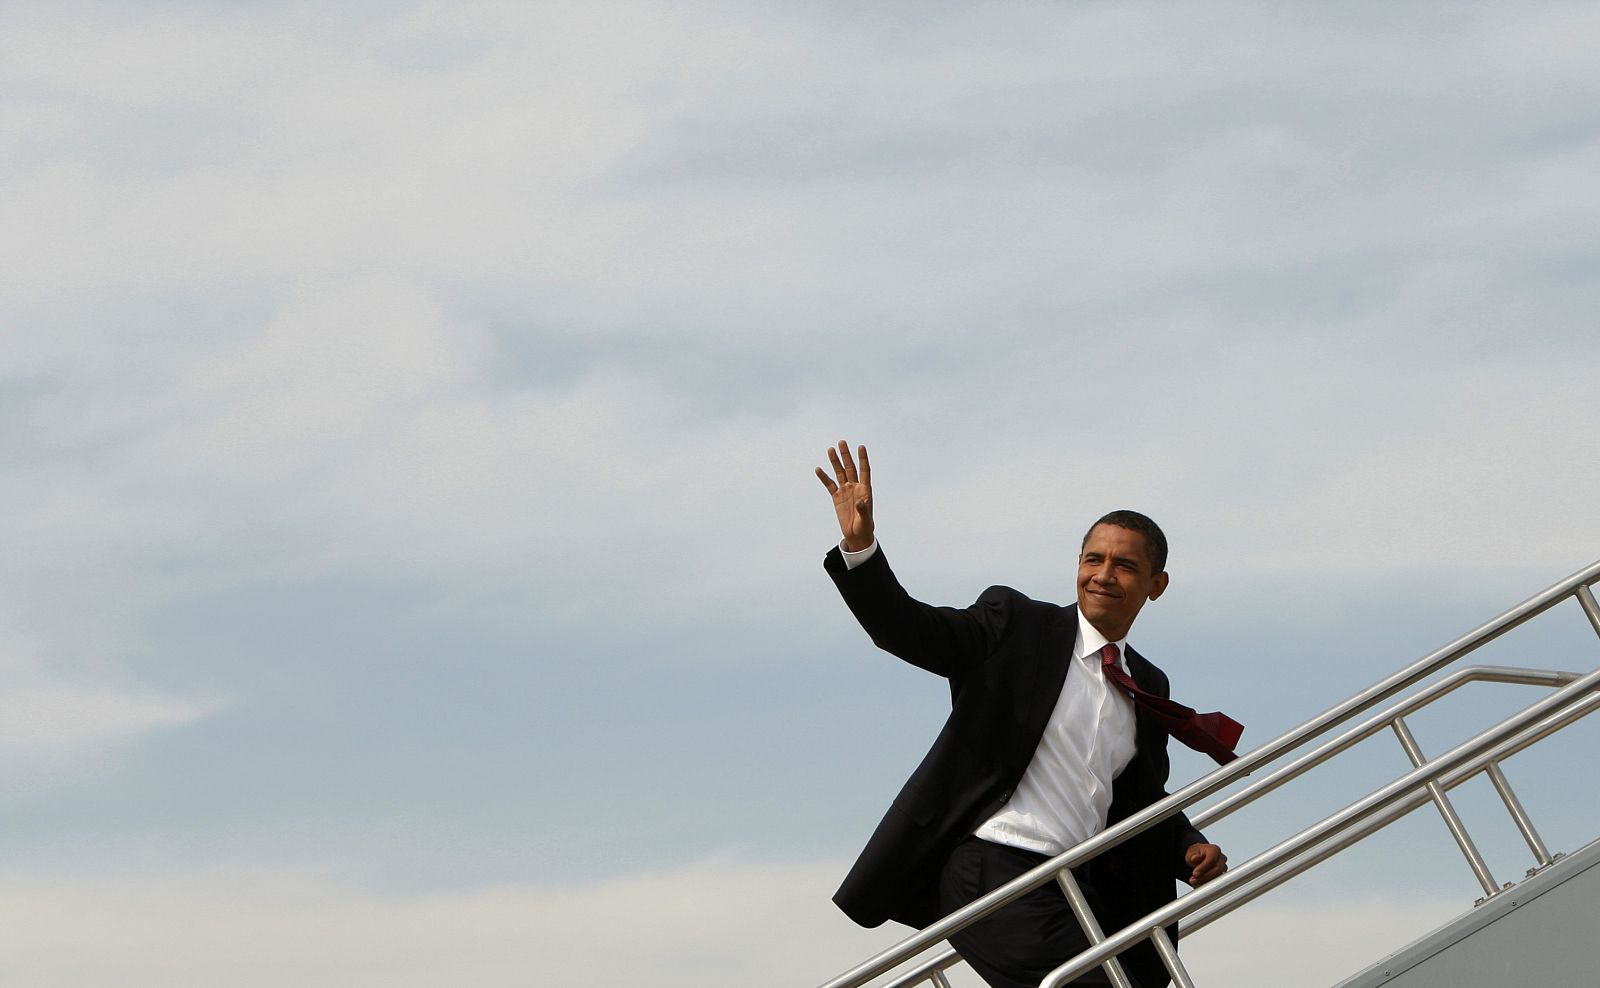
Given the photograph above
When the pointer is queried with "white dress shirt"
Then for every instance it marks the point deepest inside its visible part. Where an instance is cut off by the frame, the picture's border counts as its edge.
(1065, 792)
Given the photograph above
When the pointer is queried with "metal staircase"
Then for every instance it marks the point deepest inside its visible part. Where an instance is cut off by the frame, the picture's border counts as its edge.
(923, 958)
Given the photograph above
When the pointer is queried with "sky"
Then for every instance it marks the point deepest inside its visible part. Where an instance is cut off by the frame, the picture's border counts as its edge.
(411, 567)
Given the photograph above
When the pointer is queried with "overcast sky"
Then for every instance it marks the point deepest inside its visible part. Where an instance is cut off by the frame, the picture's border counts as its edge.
(411, 569)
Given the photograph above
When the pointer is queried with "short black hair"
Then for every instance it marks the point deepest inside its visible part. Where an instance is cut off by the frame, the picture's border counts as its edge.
(1155, 542)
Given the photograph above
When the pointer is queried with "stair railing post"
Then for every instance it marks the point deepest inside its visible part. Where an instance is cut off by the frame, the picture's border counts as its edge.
(1091, 926)
(1519, 816)
(1458, 830)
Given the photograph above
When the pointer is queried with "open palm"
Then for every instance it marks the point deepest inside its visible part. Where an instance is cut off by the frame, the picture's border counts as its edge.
(852, 494)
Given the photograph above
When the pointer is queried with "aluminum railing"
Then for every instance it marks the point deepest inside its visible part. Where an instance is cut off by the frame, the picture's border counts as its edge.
(1428, 781)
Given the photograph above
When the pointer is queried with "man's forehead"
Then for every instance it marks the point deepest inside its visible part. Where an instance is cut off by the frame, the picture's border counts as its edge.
(1114, 540)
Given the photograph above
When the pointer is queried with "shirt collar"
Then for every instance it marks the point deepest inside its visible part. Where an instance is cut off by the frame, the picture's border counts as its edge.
(1091, 641)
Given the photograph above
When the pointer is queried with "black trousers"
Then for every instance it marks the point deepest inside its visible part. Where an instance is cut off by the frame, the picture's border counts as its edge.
(1017, 946)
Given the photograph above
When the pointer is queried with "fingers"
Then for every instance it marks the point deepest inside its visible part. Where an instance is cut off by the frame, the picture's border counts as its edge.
(839, 473)
(1208, 862)
(1210, 874)
(829, 484)
(844, 468)
(849, 466)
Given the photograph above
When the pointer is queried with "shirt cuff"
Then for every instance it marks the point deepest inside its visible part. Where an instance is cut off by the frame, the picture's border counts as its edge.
(854, 559)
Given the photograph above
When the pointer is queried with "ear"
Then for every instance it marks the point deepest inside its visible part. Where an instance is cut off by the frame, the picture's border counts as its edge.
(1160, 585)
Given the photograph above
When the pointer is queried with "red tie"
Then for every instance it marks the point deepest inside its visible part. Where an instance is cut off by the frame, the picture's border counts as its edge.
(1215, 733)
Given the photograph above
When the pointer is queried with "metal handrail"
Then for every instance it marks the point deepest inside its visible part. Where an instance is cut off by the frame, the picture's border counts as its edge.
(1288, 773)
(1576, 585)
(1508, 675)
(1416, 798)
(1283, 870)
(1357, 812)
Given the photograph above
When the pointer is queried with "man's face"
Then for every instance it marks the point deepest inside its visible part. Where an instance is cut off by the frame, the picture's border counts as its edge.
(1115, 578)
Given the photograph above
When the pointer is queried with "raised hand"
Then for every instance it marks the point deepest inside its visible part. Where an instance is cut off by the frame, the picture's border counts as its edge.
(852, 495)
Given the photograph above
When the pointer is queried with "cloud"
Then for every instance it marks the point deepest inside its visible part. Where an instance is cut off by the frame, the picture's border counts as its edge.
(51, 728)
(717, 176)
(454, 301)
(724, 921)
(713, 923)
(57, 723)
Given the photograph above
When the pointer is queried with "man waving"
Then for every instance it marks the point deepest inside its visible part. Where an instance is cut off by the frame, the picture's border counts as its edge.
(1057, 729)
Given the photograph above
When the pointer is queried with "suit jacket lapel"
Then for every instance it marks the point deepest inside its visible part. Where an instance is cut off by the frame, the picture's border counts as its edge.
(1049, 663)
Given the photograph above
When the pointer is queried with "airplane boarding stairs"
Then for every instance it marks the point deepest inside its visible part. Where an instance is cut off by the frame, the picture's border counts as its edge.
(1540, 931)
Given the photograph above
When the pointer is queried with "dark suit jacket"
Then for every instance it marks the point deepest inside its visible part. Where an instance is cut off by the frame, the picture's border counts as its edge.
(1006, 657)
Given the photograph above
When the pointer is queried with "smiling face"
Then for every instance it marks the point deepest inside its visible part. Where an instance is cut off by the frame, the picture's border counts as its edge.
(1115, 578)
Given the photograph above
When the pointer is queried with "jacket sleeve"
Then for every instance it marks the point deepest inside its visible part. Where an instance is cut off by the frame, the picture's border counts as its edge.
(947, 641)
(1185, 837)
